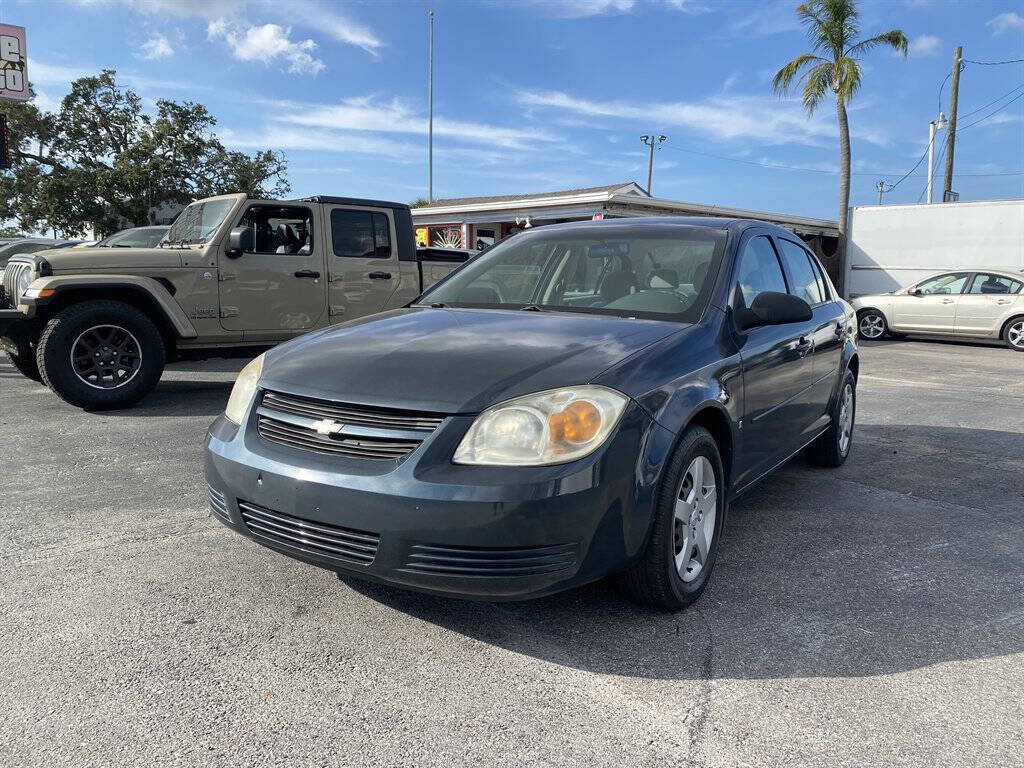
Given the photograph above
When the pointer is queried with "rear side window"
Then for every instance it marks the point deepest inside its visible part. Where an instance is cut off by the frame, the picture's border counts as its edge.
(759, 270)
(360, 234)
(806, 281)
(994, 284)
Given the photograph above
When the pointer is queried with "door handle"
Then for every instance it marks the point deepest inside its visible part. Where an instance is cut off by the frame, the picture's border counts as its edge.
(804, 346)
(839, 330)
(948, 301)
(379, 275)
(1003, 301)
(310, 273)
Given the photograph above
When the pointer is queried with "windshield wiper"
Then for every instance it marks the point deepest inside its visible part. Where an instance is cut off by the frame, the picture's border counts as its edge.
(532, 308)
(438, 305)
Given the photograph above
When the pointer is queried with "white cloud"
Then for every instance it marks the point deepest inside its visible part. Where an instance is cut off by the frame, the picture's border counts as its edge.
(395, 116)
(1005, 22)
(924, 45)
(285, 137)
(267, 43)
(314, 15)
(731, 81)
(581, 9)
(156, 47)
(724, 117)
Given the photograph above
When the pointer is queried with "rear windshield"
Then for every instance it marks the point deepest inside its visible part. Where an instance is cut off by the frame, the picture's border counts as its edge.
(666, 274)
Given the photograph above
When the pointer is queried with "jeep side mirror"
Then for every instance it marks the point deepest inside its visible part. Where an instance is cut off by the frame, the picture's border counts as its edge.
(240, 240)
(773, 308)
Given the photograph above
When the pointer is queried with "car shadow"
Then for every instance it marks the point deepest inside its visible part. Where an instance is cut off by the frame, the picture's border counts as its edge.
(822, 573)
(180, 398)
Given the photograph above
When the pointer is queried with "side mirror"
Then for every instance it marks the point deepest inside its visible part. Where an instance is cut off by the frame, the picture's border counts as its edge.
(240, 240)
(914, 291)
(773, 308)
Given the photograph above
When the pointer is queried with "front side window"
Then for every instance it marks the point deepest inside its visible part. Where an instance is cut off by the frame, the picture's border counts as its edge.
(280, 230)
(759, 270)
(994, 284)
(661, 274)
(805, 280)
(943, 284)
(360, 234)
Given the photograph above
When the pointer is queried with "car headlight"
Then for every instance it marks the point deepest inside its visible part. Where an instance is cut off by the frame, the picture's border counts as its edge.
(24, 281)
(244, 390)
(551, 427)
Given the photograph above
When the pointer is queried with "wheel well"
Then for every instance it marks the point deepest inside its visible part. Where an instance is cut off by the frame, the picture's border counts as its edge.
(854, 366)
(137, 298)
(717, 423)
(1002, 331)
(865, 310)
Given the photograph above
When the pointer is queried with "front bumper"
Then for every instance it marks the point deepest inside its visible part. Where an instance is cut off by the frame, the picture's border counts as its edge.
(494, 533)
(14, 328)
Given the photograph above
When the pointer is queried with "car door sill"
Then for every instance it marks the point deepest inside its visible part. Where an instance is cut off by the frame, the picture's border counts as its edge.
(735, 494)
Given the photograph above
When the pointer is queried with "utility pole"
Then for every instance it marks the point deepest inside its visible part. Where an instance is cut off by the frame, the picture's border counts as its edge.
(880, 186)
(651, 141)
(954, 93)
(430, 119)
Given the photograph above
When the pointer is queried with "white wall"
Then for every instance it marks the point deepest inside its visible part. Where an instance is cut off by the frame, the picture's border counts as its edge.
(891, 246)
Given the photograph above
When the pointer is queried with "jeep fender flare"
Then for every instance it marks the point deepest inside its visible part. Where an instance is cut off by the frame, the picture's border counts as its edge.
(149, 288)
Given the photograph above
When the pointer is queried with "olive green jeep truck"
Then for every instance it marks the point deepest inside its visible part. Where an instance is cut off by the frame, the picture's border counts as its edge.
(97, 325)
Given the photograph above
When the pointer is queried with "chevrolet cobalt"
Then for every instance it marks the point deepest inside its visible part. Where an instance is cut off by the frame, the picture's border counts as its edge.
(580, 400)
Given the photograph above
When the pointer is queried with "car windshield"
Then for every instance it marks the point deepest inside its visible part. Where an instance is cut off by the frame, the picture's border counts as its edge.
(140, 237)
(199, 221)
(664, 274)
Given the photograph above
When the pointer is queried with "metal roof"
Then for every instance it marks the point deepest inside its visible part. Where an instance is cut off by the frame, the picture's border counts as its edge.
(462, 201)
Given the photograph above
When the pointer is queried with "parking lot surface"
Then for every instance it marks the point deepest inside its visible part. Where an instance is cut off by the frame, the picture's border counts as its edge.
(871, 615)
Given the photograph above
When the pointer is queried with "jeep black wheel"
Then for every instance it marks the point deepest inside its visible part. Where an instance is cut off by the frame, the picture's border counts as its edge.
(101, 355)
(25, 361)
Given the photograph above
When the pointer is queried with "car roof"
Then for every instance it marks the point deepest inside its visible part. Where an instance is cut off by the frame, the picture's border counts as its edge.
(668, 222)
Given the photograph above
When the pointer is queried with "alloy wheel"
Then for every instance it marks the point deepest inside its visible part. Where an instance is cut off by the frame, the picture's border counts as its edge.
(845, 418)
(694, 523)
(106, 356)
(1015, 334)
(871, 326)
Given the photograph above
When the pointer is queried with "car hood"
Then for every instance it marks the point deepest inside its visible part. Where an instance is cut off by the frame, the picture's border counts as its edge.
(74, 260)
(454, 360)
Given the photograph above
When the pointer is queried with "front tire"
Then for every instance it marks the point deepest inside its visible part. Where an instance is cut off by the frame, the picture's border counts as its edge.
(101, 355)
(24, 360)
(832, 447)
(1014, 334)
(688, 521)
(871, 325)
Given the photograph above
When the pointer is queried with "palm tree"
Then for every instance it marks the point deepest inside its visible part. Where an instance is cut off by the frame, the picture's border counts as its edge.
(834, 64)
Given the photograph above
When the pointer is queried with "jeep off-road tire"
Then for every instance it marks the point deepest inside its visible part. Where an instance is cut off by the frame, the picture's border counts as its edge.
(101, 355)
(24, 360)
(691, 501)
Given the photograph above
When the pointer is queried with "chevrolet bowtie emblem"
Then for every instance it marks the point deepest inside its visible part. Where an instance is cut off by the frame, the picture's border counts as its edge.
(327, 427)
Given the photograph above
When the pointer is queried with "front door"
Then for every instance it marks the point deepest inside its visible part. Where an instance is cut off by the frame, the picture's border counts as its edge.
(930, 305)
(981, 309)
(278, 289)
(362, 260)
(776, 369)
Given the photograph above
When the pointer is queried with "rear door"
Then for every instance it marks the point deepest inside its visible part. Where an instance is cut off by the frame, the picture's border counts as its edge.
(807, 281)
(277, 289)
(776, 368)
(362, 260)
(981, 310)
(930, 305)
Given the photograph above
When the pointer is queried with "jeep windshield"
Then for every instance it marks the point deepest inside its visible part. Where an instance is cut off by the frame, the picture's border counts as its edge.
(198, 222)
(662, 274)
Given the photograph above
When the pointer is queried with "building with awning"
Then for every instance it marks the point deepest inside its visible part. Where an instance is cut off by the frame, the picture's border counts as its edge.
(476, 222)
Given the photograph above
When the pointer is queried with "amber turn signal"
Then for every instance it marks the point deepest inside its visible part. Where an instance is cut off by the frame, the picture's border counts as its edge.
(577, 423)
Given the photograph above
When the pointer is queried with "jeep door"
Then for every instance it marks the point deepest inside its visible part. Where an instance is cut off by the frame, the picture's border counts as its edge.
(362, 256)
(776, 368)
(275, 288)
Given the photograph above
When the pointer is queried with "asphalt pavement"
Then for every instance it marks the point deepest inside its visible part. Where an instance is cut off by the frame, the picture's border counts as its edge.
(871, 615)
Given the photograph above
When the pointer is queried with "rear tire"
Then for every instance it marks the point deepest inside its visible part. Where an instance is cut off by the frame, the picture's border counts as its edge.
(25, 361)
(101, 355)
(832, 447)
(688, 521)
(1013, 334)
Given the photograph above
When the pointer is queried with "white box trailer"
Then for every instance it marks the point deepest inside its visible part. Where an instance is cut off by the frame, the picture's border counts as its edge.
(891, 246)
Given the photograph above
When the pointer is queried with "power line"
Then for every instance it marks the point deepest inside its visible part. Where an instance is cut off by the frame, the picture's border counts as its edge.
(996, 101)
(994, 63)
(993, 112)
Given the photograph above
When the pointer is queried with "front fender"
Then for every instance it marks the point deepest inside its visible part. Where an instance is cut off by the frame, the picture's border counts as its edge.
(148, 287)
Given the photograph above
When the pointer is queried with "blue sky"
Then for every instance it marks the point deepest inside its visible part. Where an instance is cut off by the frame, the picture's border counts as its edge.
(539, 96)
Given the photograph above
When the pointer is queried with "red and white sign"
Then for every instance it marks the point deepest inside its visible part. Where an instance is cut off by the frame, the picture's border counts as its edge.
(599, 216)
(13, 64)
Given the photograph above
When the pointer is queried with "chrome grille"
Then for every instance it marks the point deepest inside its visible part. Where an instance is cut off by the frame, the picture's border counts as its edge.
(488, 561)
(11, 274)
(339, 429)
(352, 414)
(218, 504)
(332, 542)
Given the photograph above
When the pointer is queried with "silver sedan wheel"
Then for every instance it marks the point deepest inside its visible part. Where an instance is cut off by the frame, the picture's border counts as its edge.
(694, 523)
(1015, 334)
(871, 326)
(845, 419)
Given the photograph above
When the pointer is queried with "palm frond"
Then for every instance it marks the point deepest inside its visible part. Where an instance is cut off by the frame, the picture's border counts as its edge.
(816, 81)
(847, 77)
(893, 38)
(784, 77)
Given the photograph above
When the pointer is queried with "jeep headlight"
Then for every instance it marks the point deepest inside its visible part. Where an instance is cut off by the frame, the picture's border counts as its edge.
(24, 281)
(244, 391)
(552, 427)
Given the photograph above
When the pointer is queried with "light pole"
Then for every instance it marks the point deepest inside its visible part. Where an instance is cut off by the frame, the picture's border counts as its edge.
(934, 125)
(651, 141)
(430, 119)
